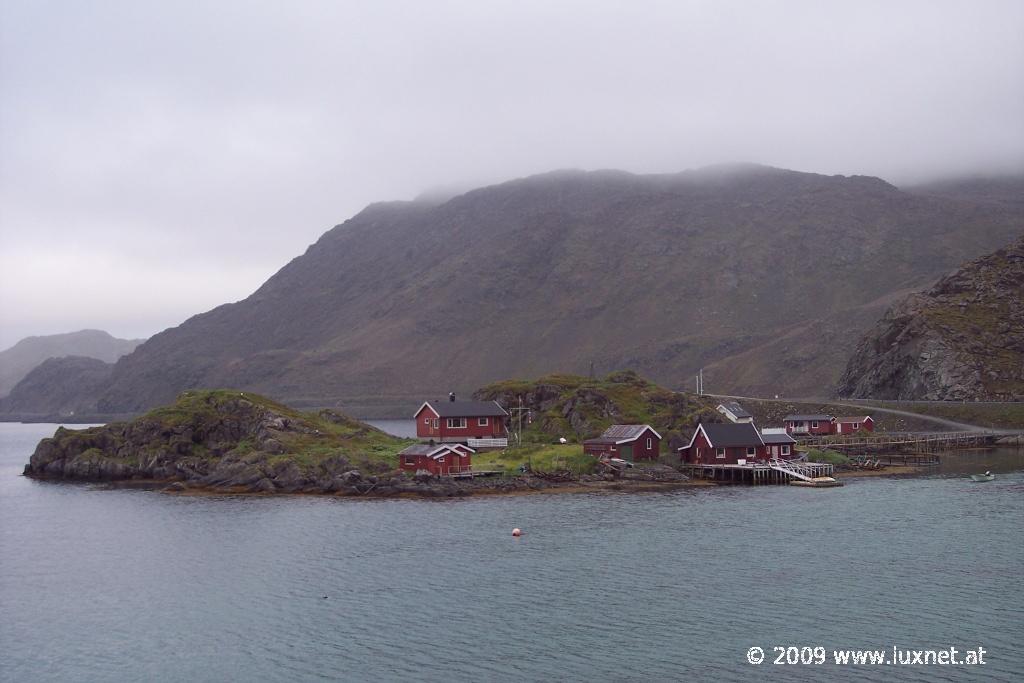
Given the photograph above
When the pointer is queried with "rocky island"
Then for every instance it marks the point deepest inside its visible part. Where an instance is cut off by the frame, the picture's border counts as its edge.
(239, 442)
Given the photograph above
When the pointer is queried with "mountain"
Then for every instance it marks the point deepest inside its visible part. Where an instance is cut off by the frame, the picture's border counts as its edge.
(59, 386)
(765, 276)
(963, 339)
(17, 361)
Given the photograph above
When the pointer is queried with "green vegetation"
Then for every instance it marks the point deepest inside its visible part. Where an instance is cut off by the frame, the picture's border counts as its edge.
(827, 456)
(255, 428)
(542, 458)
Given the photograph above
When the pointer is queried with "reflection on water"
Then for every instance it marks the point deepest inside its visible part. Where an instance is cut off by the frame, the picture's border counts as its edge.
(104, 585)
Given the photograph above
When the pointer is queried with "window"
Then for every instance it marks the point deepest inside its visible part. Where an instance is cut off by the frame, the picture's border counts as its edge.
(814, 424)
(481, 422)
(751, 450)
(785, 450)
(650, 443)
(856, 426)
(436, 422)
(410, 460)
(720, 453)
(426, 420)
(456, 423)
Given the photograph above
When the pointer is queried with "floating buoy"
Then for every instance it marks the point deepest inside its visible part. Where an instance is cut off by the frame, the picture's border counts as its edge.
(517, 532)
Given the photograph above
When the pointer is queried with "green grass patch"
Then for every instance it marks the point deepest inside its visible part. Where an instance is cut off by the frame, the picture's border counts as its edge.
(827, 456)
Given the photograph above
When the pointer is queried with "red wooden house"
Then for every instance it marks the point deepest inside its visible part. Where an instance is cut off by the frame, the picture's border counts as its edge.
(467, 422)
(850, 425)
(778, 444)
(808, 425)
(437, 459)
(628, 442)
(724, 444)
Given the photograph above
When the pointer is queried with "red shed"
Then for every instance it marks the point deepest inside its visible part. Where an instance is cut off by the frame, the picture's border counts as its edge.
(629, 442)
(724, 444)
(808, 425)
(437, 459)
(850, 425)
(454, 421)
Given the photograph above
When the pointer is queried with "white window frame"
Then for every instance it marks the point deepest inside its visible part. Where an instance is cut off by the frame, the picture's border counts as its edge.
(814, 424)
(785, 449)
(452, 423)
(482, 422)
(437, 422)
(856, 426)
(751, 450)
(650, 443)
(410, 460)
(426, 421)
(720, 453)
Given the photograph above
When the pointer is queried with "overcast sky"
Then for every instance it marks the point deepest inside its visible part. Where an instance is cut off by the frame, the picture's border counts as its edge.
(160, 158)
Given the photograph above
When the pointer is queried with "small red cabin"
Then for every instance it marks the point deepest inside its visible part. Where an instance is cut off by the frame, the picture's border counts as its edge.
(724, 444)
(454, 421)
(438, 459)
(851, 425)
(778, 444)
(628, 442)
(808, 425)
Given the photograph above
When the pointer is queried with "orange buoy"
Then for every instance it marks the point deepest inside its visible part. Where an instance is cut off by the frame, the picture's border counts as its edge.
(517, 532)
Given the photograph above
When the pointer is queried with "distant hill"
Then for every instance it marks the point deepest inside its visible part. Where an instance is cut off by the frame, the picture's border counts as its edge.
(962, 339)
(1007, 190)
(765, 277)
(17, 361)
(61, 386)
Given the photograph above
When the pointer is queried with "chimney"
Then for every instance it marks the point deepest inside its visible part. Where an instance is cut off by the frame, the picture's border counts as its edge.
(451, 396)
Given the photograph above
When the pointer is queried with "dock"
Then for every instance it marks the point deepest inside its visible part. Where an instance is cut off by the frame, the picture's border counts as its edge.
(773, 472)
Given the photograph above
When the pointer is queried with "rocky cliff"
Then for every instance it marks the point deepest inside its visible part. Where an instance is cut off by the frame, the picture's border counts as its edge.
(963, 339)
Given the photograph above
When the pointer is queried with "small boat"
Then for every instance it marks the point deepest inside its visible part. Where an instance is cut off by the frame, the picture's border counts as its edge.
(988, 476)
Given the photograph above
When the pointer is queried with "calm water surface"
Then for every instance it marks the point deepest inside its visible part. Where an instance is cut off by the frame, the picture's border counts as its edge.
(116, 585)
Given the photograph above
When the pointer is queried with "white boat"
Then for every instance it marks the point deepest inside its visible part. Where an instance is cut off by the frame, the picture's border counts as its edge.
(988, 476)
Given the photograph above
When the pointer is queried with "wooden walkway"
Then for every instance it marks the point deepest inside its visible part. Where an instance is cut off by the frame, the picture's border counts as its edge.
(929, 442)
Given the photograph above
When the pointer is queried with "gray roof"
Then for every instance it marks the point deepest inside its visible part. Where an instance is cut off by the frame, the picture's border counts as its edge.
(422, 449)
(858, 418)
(626, 432)
(733, 434)
(736, 409)
(805, 418)
(466, 408)
(777, 438)
(617, 434)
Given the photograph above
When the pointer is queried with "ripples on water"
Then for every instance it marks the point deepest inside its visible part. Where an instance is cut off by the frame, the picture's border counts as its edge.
(134, 585)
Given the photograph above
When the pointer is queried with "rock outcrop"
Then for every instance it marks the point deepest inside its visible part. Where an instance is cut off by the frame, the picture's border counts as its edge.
(578, 408)
(226, 440)
(961, 340)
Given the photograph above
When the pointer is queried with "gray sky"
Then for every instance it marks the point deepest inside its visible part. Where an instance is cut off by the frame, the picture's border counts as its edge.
(160, 158)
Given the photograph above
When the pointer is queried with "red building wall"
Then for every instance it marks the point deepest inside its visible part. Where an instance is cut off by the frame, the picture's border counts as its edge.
(440, 466)
(638, 451)
(847, 427)
(824, 428)
(701, 452)
(425, 420)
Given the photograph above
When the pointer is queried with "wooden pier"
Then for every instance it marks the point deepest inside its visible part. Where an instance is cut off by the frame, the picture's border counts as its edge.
(775, 472)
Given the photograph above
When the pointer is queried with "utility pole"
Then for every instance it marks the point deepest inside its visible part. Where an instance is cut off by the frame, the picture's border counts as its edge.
(519, 421)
